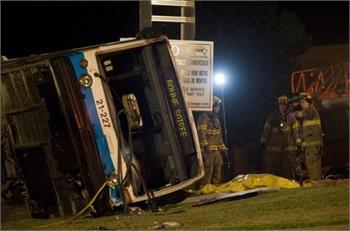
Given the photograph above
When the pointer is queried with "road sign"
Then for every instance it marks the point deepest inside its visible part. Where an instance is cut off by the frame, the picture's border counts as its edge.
(194, 62)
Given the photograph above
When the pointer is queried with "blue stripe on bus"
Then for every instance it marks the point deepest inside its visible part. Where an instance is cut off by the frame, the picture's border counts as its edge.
(89, 101)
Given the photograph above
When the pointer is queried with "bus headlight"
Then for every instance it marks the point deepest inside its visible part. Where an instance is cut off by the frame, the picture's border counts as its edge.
(85, 81)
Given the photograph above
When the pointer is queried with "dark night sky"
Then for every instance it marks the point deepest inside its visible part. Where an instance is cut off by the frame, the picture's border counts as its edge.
(37, 27)
(327, 22)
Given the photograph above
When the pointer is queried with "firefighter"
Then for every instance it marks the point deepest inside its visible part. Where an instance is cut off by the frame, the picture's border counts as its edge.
(212, 145)
(279, 140)
(312, 136)
(298, 157)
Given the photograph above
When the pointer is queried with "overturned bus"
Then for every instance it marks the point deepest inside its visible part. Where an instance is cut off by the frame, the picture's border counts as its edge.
(110, 115)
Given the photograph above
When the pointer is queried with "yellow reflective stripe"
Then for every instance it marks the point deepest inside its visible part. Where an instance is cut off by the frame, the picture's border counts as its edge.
(204, 143)
(307, 123)
(214, 131)
(311, 143)
(203, 127)
(273, 149)
(213, 147)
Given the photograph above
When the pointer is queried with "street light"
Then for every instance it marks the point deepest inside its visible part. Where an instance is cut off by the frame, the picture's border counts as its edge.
(220, 80)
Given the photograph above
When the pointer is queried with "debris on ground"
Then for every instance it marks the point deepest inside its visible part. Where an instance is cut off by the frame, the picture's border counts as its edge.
(100, 227)
(165, 225)
(171, 224)
(233, 196)
(136, 210)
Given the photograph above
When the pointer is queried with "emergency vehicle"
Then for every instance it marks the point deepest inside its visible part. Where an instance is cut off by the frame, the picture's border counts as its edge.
(109, 121)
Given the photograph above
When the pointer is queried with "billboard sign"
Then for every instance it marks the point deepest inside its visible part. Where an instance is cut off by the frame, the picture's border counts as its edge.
(194, 62)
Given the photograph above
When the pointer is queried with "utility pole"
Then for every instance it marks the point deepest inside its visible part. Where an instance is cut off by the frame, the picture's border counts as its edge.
(224, 116)
(187, 19)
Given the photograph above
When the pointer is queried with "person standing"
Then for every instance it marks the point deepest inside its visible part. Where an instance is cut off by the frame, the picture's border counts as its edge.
(312, 144)
(298, 157)
(212, 145)
(279, 140)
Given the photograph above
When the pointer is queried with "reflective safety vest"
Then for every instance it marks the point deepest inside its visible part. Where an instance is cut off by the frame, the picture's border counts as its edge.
(280, 134)
(209, 132)
(311, 127)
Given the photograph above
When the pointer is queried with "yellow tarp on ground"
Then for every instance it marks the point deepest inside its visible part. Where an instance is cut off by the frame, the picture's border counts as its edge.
(249, 181)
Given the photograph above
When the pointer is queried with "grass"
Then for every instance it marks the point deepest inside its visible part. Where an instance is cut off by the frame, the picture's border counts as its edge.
(287, 208)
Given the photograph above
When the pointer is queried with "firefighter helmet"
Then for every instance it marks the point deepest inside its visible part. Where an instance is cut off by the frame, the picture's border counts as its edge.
(305, 95)
(216, 100)
(294, 98)
(283, 99)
